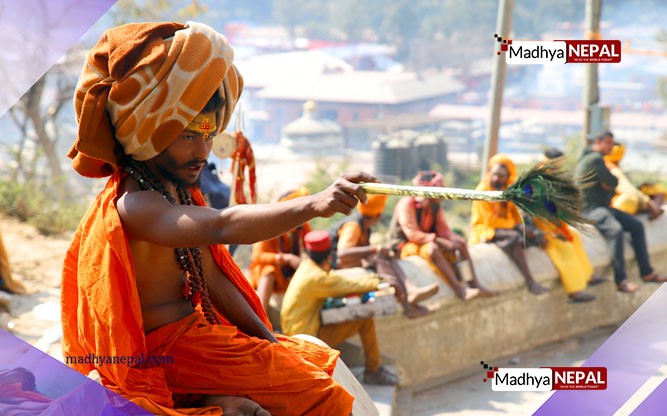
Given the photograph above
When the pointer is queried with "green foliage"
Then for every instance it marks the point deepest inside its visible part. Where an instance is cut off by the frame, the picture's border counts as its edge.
(35, 203)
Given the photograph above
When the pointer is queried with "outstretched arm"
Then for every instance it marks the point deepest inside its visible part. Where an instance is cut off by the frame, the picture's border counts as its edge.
(147, 216)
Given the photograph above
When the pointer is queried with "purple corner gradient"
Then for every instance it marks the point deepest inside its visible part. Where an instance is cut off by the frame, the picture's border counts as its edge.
(655, 404)
(632, 355)
(66, 391)
(35, 34)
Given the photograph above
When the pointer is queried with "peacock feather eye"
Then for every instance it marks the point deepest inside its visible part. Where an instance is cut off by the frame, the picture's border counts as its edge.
(528, 190)
(549, 205)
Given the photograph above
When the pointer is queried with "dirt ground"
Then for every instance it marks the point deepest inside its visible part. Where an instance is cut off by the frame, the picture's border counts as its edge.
(36, 261)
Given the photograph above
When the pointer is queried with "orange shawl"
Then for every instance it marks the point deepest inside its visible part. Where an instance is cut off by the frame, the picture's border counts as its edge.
(101, 314)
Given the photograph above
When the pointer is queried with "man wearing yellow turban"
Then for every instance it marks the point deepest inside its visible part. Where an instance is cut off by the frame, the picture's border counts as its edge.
(500, 223)
(351, 239)
(424, 232)
(147, 274)
(275, 261)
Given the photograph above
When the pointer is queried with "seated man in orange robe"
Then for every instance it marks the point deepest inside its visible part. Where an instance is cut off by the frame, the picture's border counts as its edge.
(147, 274)
(352, 248)
(423, 231)
(275, 261)
(500, 223)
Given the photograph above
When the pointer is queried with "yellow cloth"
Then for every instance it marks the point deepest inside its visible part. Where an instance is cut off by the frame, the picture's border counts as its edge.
(142, 84)
(628, 197)
(424, 251)
(654, 189)
(335, 334)
(310, 286)
(485, 216)
(568, 256)
(616, 154)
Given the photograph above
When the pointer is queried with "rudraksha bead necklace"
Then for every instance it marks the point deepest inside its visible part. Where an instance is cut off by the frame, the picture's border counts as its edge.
(195, 288)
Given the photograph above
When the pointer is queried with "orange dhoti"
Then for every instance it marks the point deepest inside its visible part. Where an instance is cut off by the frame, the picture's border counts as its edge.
(214, 360)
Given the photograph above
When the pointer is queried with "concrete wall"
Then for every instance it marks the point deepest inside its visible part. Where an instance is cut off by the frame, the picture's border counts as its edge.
(453, 339)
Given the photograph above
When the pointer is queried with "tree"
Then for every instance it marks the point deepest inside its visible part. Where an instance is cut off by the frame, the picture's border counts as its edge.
(37, 116)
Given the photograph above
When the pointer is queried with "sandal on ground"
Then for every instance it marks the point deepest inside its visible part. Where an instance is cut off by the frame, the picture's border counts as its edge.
(596, 280)
(380, 377)
(581, 297)
(536, 288)
(627, 287)
(654, 278)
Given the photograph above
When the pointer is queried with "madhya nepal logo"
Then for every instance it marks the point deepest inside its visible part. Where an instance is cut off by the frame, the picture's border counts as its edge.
(559, 51)
(545, 378)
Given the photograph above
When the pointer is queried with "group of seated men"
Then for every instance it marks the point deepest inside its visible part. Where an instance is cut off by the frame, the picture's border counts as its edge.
(307, 266)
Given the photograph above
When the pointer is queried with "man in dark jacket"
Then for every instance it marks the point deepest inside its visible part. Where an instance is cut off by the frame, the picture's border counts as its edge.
(600, 185)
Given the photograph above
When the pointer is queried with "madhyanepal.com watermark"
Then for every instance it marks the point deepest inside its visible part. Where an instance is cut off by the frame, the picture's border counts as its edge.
(545, 378)
(530, 52)
(128, 360)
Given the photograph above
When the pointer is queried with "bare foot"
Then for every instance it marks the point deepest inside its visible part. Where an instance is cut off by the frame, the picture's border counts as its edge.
(627, 287)
(415, 311)
(466, 293)
(235, 405)
(536, 288)
(580, 297)
(486, 292)
(596, 280)
(422, 293)
(380, 377)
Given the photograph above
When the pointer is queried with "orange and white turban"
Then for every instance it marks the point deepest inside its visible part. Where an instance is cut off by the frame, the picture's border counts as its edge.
(142, 84)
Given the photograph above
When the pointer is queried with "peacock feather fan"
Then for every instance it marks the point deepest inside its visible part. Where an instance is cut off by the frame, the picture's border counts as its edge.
(548, 191)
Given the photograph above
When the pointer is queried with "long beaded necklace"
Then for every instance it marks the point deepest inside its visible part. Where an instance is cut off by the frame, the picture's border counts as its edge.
(195, 288)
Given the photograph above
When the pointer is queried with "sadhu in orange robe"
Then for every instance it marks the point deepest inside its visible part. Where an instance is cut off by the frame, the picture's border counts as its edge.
(101, 314)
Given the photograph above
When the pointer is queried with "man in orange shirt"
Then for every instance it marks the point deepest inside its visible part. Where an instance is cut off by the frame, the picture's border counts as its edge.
(351, 239)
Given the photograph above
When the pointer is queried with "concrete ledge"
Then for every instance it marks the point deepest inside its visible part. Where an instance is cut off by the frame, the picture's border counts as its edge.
(452, 340)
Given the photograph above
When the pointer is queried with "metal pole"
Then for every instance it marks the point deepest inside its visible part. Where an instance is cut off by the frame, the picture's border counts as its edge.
(503, 28)
(591, 96)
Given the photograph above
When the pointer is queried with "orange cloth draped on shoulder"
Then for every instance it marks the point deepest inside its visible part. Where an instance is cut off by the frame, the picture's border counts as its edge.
(101, 315)
(265, 257)
(487, 217)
